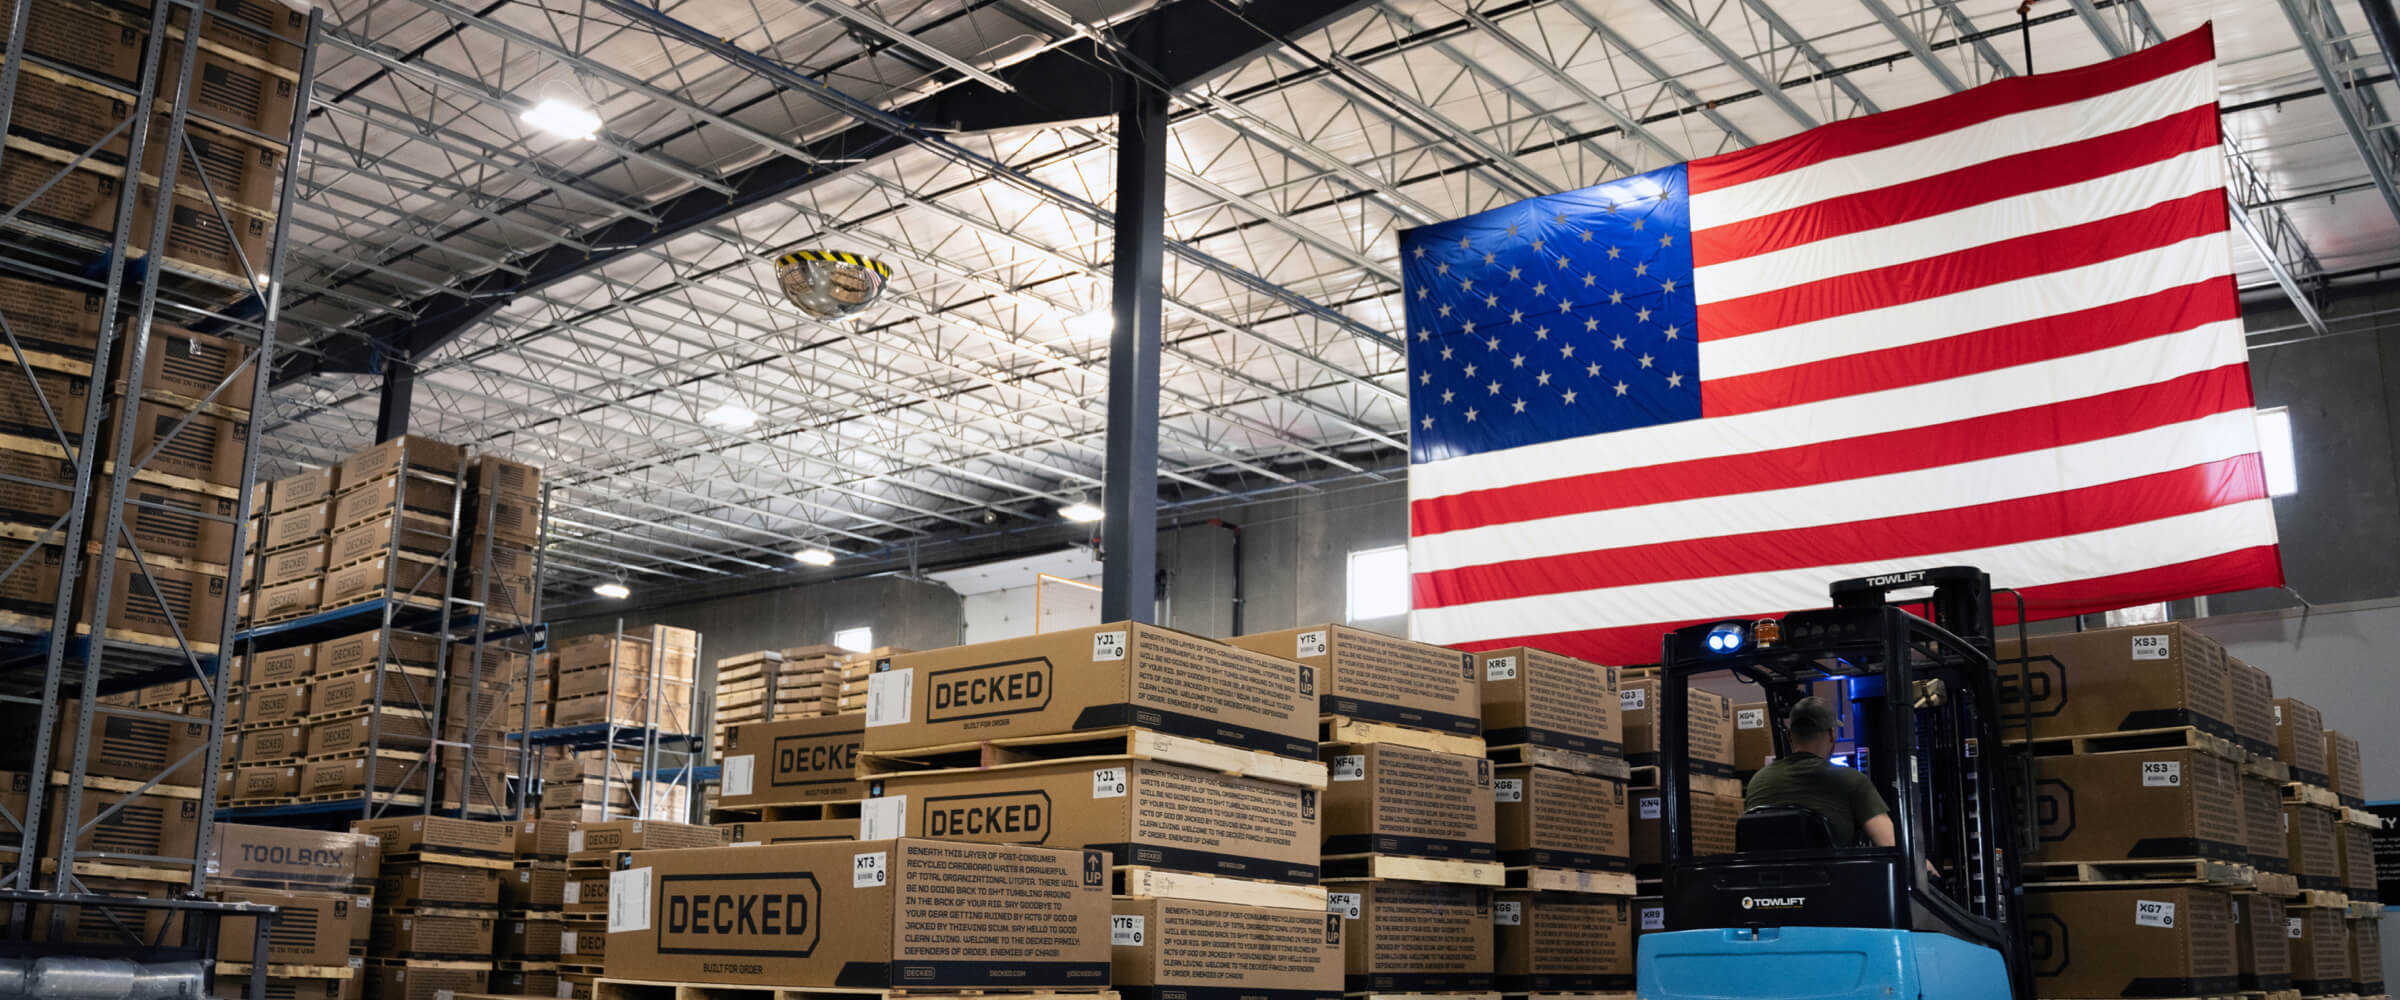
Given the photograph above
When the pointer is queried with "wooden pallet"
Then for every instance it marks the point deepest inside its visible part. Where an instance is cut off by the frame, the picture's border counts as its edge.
(2268, 768)
(2311, 795)
(103, 783)
(1568, 996)
(1343, 729)
(1463, 995)
(2277, 884)
(2271, 995)
(1593, 764)
(1134, 880)
(2365, 909)
(2122, 874)
(1646, 776)
(1140, 744)
(2323, 899)
(787, 813)
(637, 989)
(405, 800)
(128, 872)
(275, 971)
(1571, 880)
(2361, 817)
(2170, 738)
(1378, 867)
(459, 965)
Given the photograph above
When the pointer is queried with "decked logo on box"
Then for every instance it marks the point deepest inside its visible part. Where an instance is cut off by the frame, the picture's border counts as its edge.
(815, 760)
(987, 690)
(1007, 817)
(768, 914)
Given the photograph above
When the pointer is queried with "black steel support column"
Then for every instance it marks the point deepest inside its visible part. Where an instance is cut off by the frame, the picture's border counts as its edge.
(399, 391)
(1129, 537)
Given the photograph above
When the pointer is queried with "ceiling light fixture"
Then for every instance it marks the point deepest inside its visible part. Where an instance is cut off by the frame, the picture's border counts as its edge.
(814, 557)
(563, 118)
(1097, 321)
(730, 417)
(614, 590)
(1080, 510)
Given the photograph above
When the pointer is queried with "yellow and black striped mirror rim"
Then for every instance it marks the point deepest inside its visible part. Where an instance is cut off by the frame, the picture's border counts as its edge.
(836, 256)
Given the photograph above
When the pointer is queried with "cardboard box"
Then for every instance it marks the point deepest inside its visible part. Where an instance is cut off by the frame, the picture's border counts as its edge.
(408, 450)
(280, 666)
(282, 988)
(537, 885)
(166, 521)
(374, 537)
(1540, 698)
(2259, 936)
(287, 600)
(351, 652)
(625, 683)
(82, 37)
(533, 838)
(266, 782)
(796, 760)
(2354, 852)
(1375, 677)
(381, 496)
(2253, 707)
(415, 884)
(144, 826)
(2150, 941)
(2114, 679)
(272, 855)
(630, 653)
(51, 319)
(1713, 818)
(2320, 948)
(365, 580)
(1385, 798)
(1753, 738)
(272, 705)
(925, 913)
(529, 938)
(306, 562)
(302, 489)
(194, 602)
(583, 943)
(1093, 678)
(674, 710)
(33, 589)
(207, 448)
(801, 831)
(1139, 812)
(439, 835)
(1563, 942)
(510, 519)
(2262, 824)
(310, 928)
(234, 92)
(527, 984)
(21, 411)
(338, 736)
(339, 694)
(505, 598)
(2139, 804)
(423, 982)
(599, 840)
(2343, 771)
(586, 894)
(493, 474)
(43, 498)
(2312, 846)
(2366, 956)
(441, 935)
(1710, 740)
(106, 926)
(282, 744)
(390, 774)
(1174, 948)
(188, 364)
(1413, 937)
(1559, 819)
(136, 747)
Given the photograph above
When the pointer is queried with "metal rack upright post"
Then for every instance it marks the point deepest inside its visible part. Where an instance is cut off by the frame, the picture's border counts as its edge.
(59, 653)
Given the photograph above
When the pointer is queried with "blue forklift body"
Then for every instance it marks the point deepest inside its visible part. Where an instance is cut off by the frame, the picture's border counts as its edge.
(1816, 963)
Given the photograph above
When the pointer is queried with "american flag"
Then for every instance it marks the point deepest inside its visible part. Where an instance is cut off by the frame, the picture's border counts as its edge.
(1996, 329)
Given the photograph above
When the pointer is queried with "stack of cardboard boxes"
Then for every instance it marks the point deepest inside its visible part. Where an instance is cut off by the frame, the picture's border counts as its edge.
(437, 905)
(611, 678)
(745, 689)
(792, 780)
(330, 720)
(532, 927)
(321, 881)
(1555, 731)
(590, 924)
(496, 556)
(123, 833)
(1716, 793)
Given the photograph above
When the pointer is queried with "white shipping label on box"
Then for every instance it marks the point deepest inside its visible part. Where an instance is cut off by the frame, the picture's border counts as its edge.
(1108, 783)
(736, 774)
(2150, 647)
(1108, 646)
(573, 893)
(1649, 806)
(1634, 699)
(1508, 913)
(1500, 668)
(885, 818)
(1309, 644)
(2297, 927)
(1654, 918)
(574, 841)
(1508, 790)
(629, 900)
(1344, 903)
(1350, 767)
(888, 696)
(1125, 931)
(1750, 718)
(566, 942)
(2162, 774)
(867, 870)
(2153, 913)
(566, 991)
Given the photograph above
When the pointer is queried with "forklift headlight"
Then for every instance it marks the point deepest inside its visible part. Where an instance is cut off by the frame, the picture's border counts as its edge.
(1725, 638)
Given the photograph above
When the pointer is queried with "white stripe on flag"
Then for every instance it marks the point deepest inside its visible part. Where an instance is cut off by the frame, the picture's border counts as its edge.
(2033, 473)
(1980, 225)
(2009, 135)
(1926, 320)
(2090, 374)
(2132, 548)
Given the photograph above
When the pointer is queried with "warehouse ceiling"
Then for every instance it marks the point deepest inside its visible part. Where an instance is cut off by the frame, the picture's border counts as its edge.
(599, 307)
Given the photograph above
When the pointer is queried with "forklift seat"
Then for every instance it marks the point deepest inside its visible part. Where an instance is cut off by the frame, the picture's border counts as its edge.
(1782, 828)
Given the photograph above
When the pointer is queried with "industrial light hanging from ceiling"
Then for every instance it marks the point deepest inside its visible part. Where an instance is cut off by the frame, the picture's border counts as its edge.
(614, 590)
(830, 284)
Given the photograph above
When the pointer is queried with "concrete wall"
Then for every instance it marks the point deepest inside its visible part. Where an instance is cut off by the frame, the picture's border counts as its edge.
(902, 612)
(2338, 659)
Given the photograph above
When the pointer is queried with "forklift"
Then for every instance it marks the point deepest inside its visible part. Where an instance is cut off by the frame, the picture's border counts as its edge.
(1791, 913)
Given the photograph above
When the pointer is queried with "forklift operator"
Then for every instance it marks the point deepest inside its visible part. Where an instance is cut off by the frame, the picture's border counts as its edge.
(1806, 778)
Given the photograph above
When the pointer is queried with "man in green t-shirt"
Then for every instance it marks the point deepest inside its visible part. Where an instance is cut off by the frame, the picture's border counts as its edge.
(1804, 777)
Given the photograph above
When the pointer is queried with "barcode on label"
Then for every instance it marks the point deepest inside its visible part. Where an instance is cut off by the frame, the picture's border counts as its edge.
(1108, 783)
(1350, 767)
(736, 773)
(1309, 644)
(2150, 647)
(1500, 668)
(889, 695)
(1125, 931)
(1508, 913)
(2162, 774)
(1508, 790)
(1750, 718)
(2297, 927)
(1344, 903)
(867, 870)
(1108, 646)
(2153, 913)
(1634, 699)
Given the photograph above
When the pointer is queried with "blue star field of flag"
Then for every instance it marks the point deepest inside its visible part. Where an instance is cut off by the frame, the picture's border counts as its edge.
(1556, 317)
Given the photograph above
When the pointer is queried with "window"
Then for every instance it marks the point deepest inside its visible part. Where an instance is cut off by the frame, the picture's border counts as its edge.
(1378, 583)
(856, 640)
(2275, 451)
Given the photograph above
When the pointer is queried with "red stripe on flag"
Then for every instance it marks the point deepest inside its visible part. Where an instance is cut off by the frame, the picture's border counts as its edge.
(1911, 536)
(1950, 114)
(2049, 425)
(2159, 225)
(2242, 569)
(2008, 177)
(2173, 310)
